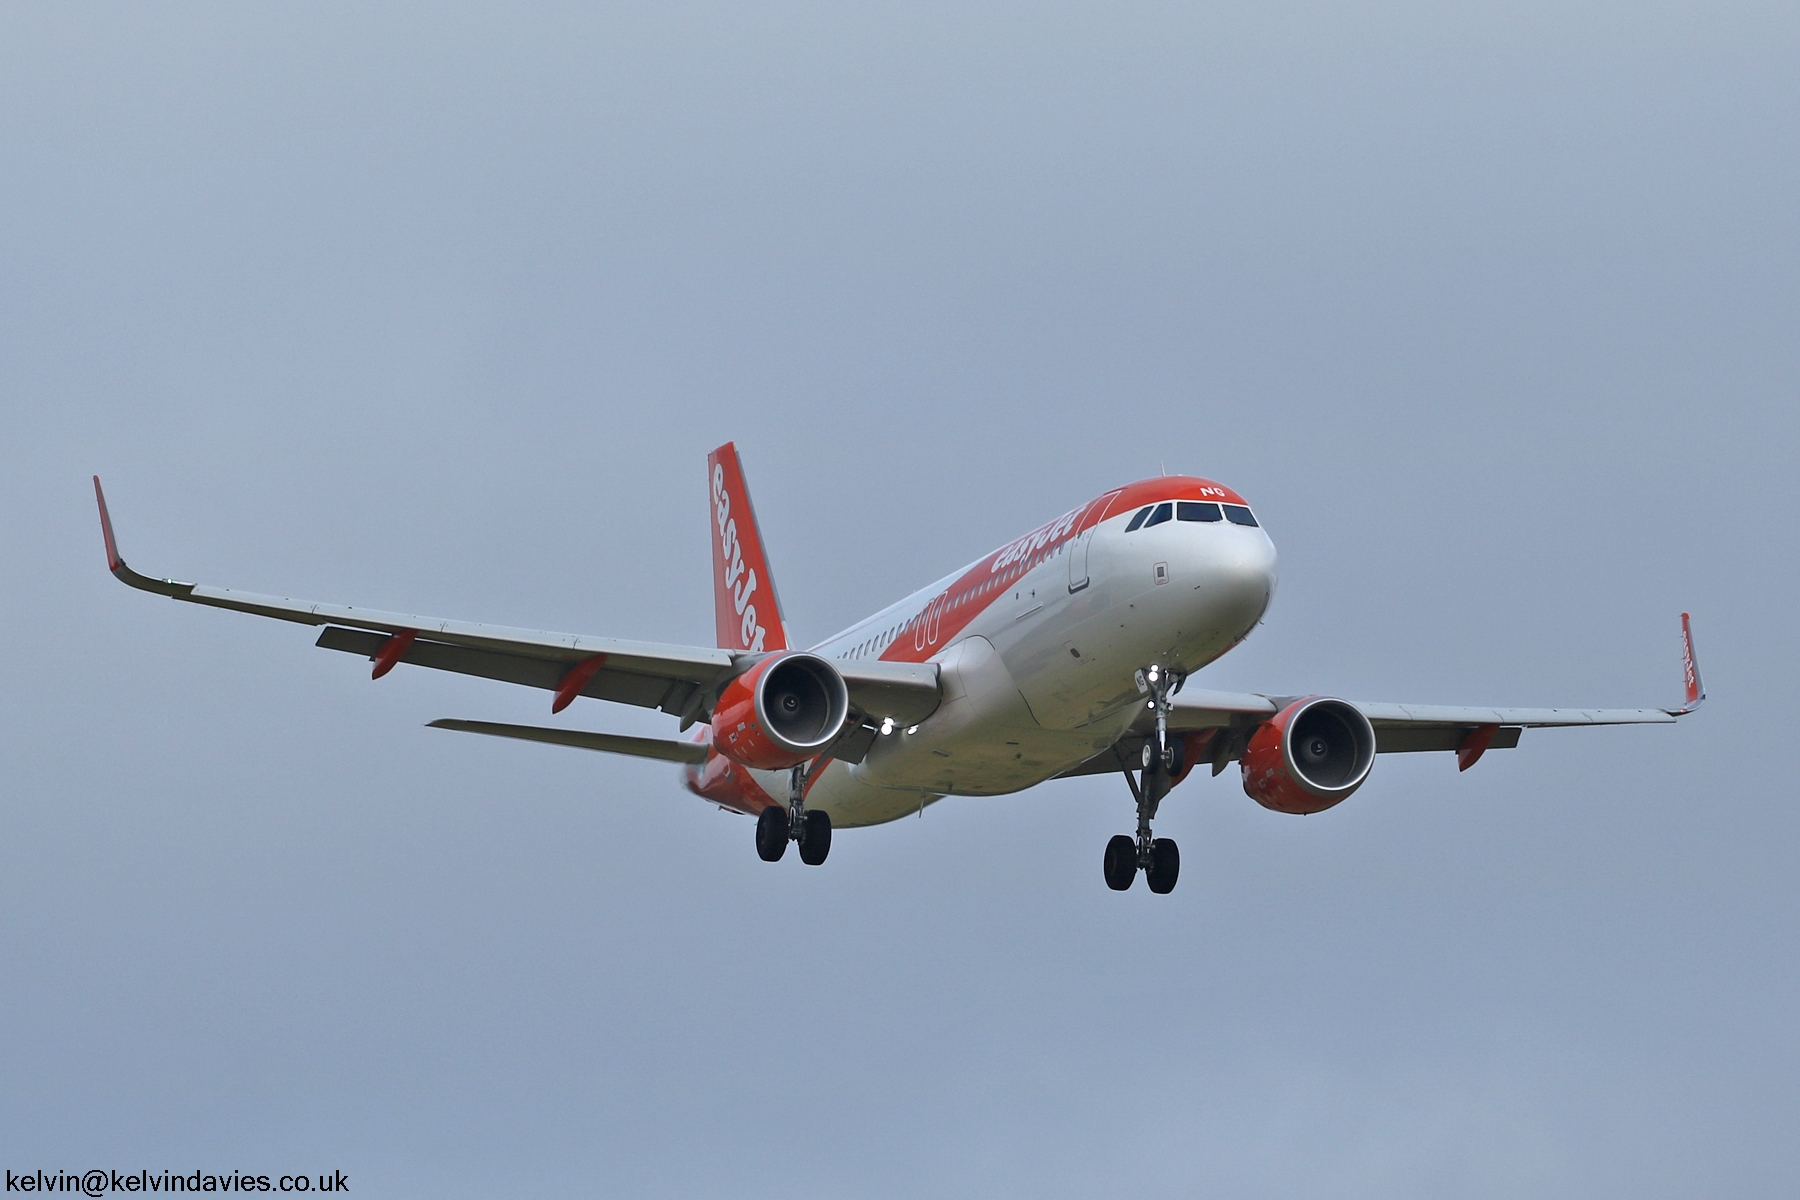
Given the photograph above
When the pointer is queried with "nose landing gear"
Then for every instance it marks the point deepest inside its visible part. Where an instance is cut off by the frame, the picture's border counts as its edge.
(1159, 858)
(777, 825)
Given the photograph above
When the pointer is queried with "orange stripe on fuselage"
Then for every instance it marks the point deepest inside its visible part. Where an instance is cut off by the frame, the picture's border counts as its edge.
(950, 611)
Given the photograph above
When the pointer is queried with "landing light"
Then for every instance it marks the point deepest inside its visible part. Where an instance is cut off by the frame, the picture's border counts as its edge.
(887, 726)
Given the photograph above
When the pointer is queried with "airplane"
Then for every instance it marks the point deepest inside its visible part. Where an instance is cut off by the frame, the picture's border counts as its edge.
(1064, 652)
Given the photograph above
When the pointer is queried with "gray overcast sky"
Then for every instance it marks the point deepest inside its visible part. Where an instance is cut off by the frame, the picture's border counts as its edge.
(1490, 309)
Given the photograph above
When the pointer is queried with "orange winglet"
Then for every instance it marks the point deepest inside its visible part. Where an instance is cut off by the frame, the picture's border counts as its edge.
(392, 651)
(1474, 746)
(1690, 669)
(574, 681)
(113, 561)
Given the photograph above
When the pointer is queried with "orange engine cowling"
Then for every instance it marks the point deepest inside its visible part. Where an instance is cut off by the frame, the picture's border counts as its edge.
(780, 712)
(1309, 756)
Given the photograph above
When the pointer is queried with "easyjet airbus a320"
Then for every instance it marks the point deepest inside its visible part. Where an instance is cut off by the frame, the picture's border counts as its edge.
(1064, 652)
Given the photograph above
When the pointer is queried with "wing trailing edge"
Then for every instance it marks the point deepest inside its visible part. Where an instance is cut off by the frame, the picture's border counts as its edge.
(683, 681)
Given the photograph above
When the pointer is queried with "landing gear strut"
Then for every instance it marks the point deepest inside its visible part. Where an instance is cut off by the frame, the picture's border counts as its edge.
(777, 824)
(1159, 858)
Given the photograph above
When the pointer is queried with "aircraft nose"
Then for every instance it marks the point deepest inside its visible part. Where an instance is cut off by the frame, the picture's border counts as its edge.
(1241, 577)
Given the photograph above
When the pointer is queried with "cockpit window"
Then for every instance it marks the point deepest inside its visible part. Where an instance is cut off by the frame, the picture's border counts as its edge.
(1139, 519)
(1195, 510)
(1163, 512)
(1237, 514)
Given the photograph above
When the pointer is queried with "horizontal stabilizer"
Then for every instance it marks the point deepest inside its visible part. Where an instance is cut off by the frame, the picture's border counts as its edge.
(612, 743)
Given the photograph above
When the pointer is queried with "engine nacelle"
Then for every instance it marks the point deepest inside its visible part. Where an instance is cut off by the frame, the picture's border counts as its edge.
(780, 712)
(1309, 756)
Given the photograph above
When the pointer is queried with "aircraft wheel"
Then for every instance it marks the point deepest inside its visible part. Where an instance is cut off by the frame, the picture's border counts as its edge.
(1172, 760)
(815, 841)
(772, 833)
(1168, 763)
(1165, 866)
(1121, 862)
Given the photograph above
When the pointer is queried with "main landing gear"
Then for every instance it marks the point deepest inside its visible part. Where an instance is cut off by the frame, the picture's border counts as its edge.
(1162, 765)
(778, 825)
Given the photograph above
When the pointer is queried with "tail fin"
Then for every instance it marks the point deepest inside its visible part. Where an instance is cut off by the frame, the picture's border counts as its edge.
(744, 600)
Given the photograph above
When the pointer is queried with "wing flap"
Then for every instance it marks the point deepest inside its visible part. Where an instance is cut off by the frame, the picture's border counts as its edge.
(463, 660)
(647, 657)
(908, 692)
(1406, 739)
(668, 691)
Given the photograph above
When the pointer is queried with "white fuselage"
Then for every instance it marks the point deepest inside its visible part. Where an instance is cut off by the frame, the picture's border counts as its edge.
(1039, 673)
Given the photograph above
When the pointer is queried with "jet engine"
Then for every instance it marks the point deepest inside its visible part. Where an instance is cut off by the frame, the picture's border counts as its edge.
(1309, 756)
(780, 712)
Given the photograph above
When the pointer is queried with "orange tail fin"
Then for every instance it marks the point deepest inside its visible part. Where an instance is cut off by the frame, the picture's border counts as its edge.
(744, 600)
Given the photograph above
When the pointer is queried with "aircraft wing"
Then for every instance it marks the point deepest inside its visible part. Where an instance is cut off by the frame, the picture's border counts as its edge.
(682, 680)
(1211, 710)
(1225, 721)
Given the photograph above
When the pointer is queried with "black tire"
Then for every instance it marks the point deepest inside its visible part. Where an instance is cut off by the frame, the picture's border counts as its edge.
(1168, 763)
(1165, 866)
(815, 842)
(1173, 760)
(772, 833)
(1121, 862)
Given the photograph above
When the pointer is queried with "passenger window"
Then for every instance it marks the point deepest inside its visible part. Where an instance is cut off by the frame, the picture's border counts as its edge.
(1163, 512)
(1237, 514)
(1139, 519)
(1195, 510)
